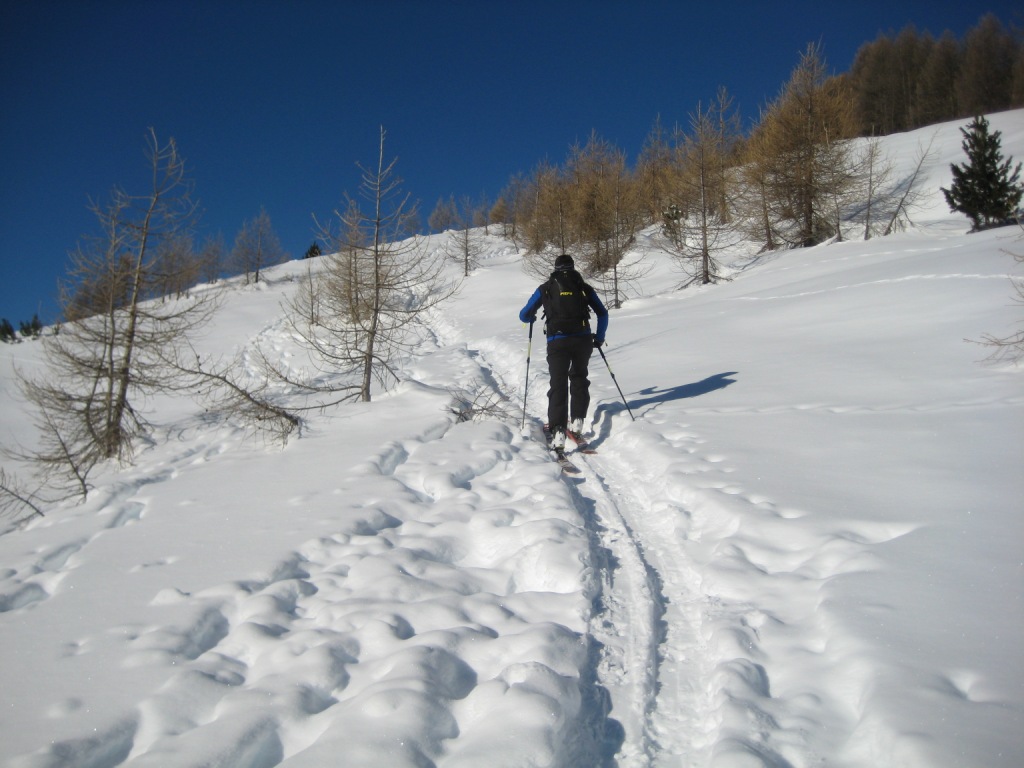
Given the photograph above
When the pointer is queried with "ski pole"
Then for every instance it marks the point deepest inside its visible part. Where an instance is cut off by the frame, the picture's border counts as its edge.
(526, 389)
(617, 384)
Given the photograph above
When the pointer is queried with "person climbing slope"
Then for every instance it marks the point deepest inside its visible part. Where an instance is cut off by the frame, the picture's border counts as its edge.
(567, 301)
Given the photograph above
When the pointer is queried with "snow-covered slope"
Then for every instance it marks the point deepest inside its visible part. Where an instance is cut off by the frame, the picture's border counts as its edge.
(804, 551)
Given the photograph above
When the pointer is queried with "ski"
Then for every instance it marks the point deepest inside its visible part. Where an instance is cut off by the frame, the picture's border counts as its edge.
(582, 444)
(563, 461)
(559, 454)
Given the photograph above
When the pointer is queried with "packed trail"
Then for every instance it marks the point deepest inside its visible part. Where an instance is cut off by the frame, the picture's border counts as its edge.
(792, 536)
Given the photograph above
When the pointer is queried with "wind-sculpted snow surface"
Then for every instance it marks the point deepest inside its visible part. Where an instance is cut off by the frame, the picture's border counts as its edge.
(446, 605)
(805, 551)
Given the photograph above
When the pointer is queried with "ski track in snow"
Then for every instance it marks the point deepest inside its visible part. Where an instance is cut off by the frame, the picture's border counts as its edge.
(626, 626)
(709, 697)
(632, 623)
(642, 620)
(677, 660)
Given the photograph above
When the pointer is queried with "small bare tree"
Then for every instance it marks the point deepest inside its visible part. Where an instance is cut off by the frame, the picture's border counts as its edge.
(180, 267)
(697, 221)
(443, 217)
(212, 255)
(878, 197)
(653, 174)
(875, 173)
(906, 195)
(256, 247)
(512, 209)
(464, 244)
(544, 211)
(17, 504)
(1009, 349)
(500, 215)
(759, 220)
(123, 339)
(369, 299)
(117, 344)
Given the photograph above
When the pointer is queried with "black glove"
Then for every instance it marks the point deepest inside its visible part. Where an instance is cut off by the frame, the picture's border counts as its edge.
(598, 342)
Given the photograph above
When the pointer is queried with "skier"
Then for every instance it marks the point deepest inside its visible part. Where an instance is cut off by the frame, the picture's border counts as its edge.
(567, 301)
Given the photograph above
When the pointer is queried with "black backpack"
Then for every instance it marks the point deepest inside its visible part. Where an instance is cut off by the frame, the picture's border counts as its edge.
(566, 311)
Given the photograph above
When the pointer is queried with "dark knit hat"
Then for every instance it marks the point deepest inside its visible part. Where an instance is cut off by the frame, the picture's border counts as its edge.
(564, 262)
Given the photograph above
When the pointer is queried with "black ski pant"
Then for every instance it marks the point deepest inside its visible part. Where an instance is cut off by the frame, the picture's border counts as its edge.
(568, 359)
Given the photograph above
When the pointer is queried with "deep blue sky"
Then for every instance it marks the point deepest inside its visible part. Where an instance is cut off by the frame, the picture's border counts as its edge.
(272, 102)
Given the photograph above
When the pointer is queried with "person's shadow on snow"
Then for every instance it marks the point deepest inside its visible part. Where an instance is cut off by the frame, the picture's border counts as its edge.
(653, 396)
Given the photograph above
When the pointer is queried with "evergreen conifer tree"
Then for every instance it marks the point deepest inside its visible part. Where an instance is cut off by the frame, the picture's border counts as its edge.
(30, 329)
(986, 189)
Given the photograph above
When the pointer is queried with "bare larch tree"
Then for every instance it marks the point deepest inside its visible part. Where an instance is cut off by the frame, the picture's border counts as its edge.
(364, 307)
(117, 344)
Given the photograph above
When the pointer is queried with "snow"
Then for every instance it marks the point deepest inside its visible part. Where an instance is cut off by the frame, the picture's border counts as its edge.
(806, 550)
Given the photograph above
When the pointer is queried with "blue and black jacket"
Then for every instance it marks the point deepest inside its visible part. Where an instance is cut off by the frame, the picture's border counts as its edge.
(528, 313)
